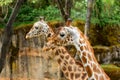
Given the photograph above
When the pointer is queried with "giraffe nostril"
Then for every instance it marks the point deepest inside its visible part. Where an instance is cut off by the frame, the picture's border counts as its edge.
(36, 27)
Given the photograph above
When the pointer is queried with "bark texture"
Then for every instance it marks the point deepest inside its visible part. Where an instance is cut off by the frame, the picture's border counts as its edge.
(88, 16)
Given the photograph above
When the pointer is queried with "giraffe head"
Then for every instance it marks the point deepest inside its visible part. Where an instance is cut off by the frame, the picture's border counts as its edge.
(65, 36)
(39, 28)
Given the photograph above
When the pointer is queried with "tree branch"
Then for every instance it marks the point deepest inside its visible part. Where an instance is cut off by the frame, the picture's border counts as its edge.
(64, 13)
(7, 37)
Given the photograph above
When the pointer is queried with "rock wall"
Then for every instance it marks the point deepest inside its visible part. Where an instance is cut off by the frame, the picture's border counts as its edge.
(27, 61)
(107, 55)
(31, 64)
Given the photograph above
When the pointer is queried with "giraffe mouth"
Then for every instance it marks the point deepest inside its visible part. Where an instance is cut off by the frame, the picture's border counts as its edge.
(27, 37)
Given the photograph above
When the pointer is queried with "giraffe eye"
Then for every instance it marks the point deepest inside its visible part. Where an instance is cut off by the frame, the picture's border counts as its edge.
(62, 34)
(36, 27)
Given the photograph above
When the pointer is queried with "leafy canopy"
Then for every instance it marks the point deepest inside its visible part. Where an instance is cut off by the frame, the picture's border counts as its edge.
(5, 2)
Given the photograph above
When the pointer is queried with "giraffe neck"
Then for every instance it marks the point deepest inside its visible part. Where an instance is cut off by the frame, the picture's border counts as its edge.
(89, 61)
(72, 69)
(85, 52)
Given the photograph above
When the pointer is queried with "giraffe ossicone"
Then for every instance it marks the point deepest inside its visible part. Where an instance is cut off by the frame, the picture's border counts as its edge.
(73, 36)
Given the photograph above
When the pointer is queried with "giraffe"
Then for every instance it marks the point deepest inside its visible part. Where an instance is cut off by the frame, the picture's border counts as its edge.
(73, 36)
(36, 30)
(40, 28)
(71, 68)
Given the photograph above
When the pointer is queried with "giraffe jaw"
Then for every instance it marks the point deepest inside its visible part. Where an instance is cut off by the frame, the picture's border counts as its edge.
(27, 37)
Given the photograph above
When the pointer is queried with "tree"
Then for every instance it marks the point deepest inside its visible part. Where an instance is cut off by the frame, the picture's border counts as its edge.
(88, 16)
(65, 9)
(4, 9)
(7, 37)
(68, 6)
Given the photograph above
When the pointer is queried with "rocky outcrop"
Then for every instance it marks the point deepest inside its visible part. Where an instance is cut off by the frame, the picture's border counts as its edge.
(27, 61)
(31, 64)
(108, 55)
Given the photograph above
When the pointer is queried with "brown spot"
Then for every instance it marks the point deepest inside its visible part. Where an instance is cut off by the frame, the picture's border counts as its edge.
(71, 39)
(95, 68)
(86, 47)
(94, 59)
(68, 39)
(79, 69)
(67, 57)
(75, 69)
(84, 53)
(89, 57)
(96, 76)
(59, 50)
(59, 61)
(89, 71)
(71, 75)
(63, 50)
(82, 35)
(64, 68)
(62, 56)
(84, 59)
(71, 61)
(57, 53)
(81, 48)
(101, 78)
(65, 62)
(77, 75)
(69, 68)
(80, 42)
(66, 74)
(79, 63)
(84, 76)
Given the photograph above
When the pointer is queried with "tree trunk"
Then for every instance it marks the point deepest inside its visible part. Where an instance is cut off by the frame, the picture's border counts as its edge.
(68, 6)
(8, 34)
(88, 16)
(65, 11)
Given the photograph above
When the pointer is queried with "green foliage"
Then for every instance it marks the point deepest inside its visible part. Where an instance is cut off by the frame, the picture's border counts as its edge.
(51, 13)
(112, 70)
(28, 13)
(106, 12)
(79, 10)
(5, 2)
